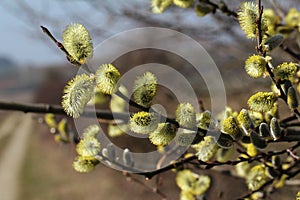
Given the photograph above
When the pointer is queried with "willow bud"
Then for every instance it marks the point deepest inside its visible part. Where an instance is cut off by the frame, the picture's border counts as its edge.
(262, 101)
(144, 89)
(78, 43)
(275, 129)
(247, 17)
(143, 122)
(206, 149)
(84, 164)
(255, 66)
(107, 77)
(230, 126)
(91, 131)
(258, 141)
(273, 42)
(245, 121)
(264, 130)
(163, 135)
(285, 71)
(183, 3)
(202, 9)
(127, 158)
(292, 99)
(77, 93)
(159, 6)
(89, 146)
(186, 115)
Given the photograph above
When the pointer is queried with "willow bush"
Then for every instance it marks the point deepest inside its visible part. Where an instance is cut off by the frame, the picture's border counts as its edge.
(247, 131)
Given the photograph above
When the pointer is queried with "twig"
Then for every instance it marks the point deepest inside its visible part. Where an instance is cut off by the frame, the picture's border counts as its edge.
(60, 46)
(263, 53)
(287, 171)
(292, 135)
(181, 162)
(209, 165)
(288, 119)
(222, 7)
(269, 182)
(258, 27)
(290, 125)
(56, 109)
(293, 155)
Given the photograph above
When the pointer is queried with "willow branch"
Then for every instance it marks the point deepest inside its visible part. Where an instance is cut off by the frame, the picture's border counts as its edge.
(56, 109)
(222, 7)
(290, 135)
(60, 46)
(209, 165)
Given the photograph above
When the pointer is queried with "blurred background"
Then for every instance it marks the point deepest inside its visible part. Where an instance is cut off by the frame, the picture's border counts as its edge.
(34, 70)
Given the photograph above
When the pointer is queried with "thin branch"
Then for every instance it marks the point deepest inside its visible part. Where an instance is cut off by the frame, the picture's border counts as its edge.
(209, 165)
(181, 162)
(56, 109)
(269, 182)
(60, 46)
(287, 171)
(290, 136)
(297, 124)
(258, 28)
(288, 119)
(222, 7)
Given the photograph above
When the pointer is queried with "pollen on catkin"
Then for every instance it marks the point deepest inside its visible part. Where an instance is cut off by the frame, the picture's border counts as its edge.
(84, 164)
(91, 131)
(144, 89)
(186, 115)
(77, 94)
(256, 177)
(255, 66)
(230, 127)
(183, 3)
(107, 77)
(247, 17)
(245, 121)
(143, 122)
(89, 146)
(159, 6)
(206, 149)
(163, 135)
(262, 101)
(77, 41)
(192, 184)
(285, 71)
(205, 120)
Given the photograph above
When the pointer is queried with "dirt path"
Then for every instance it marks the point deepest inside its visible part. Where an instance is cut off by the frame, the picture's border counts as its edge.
(12, 158)
(6, 126)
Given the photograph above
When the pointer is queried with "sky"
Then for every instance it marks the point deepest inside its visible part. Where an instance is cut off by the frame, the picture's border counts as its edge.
(17, 41)
(22, 39)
